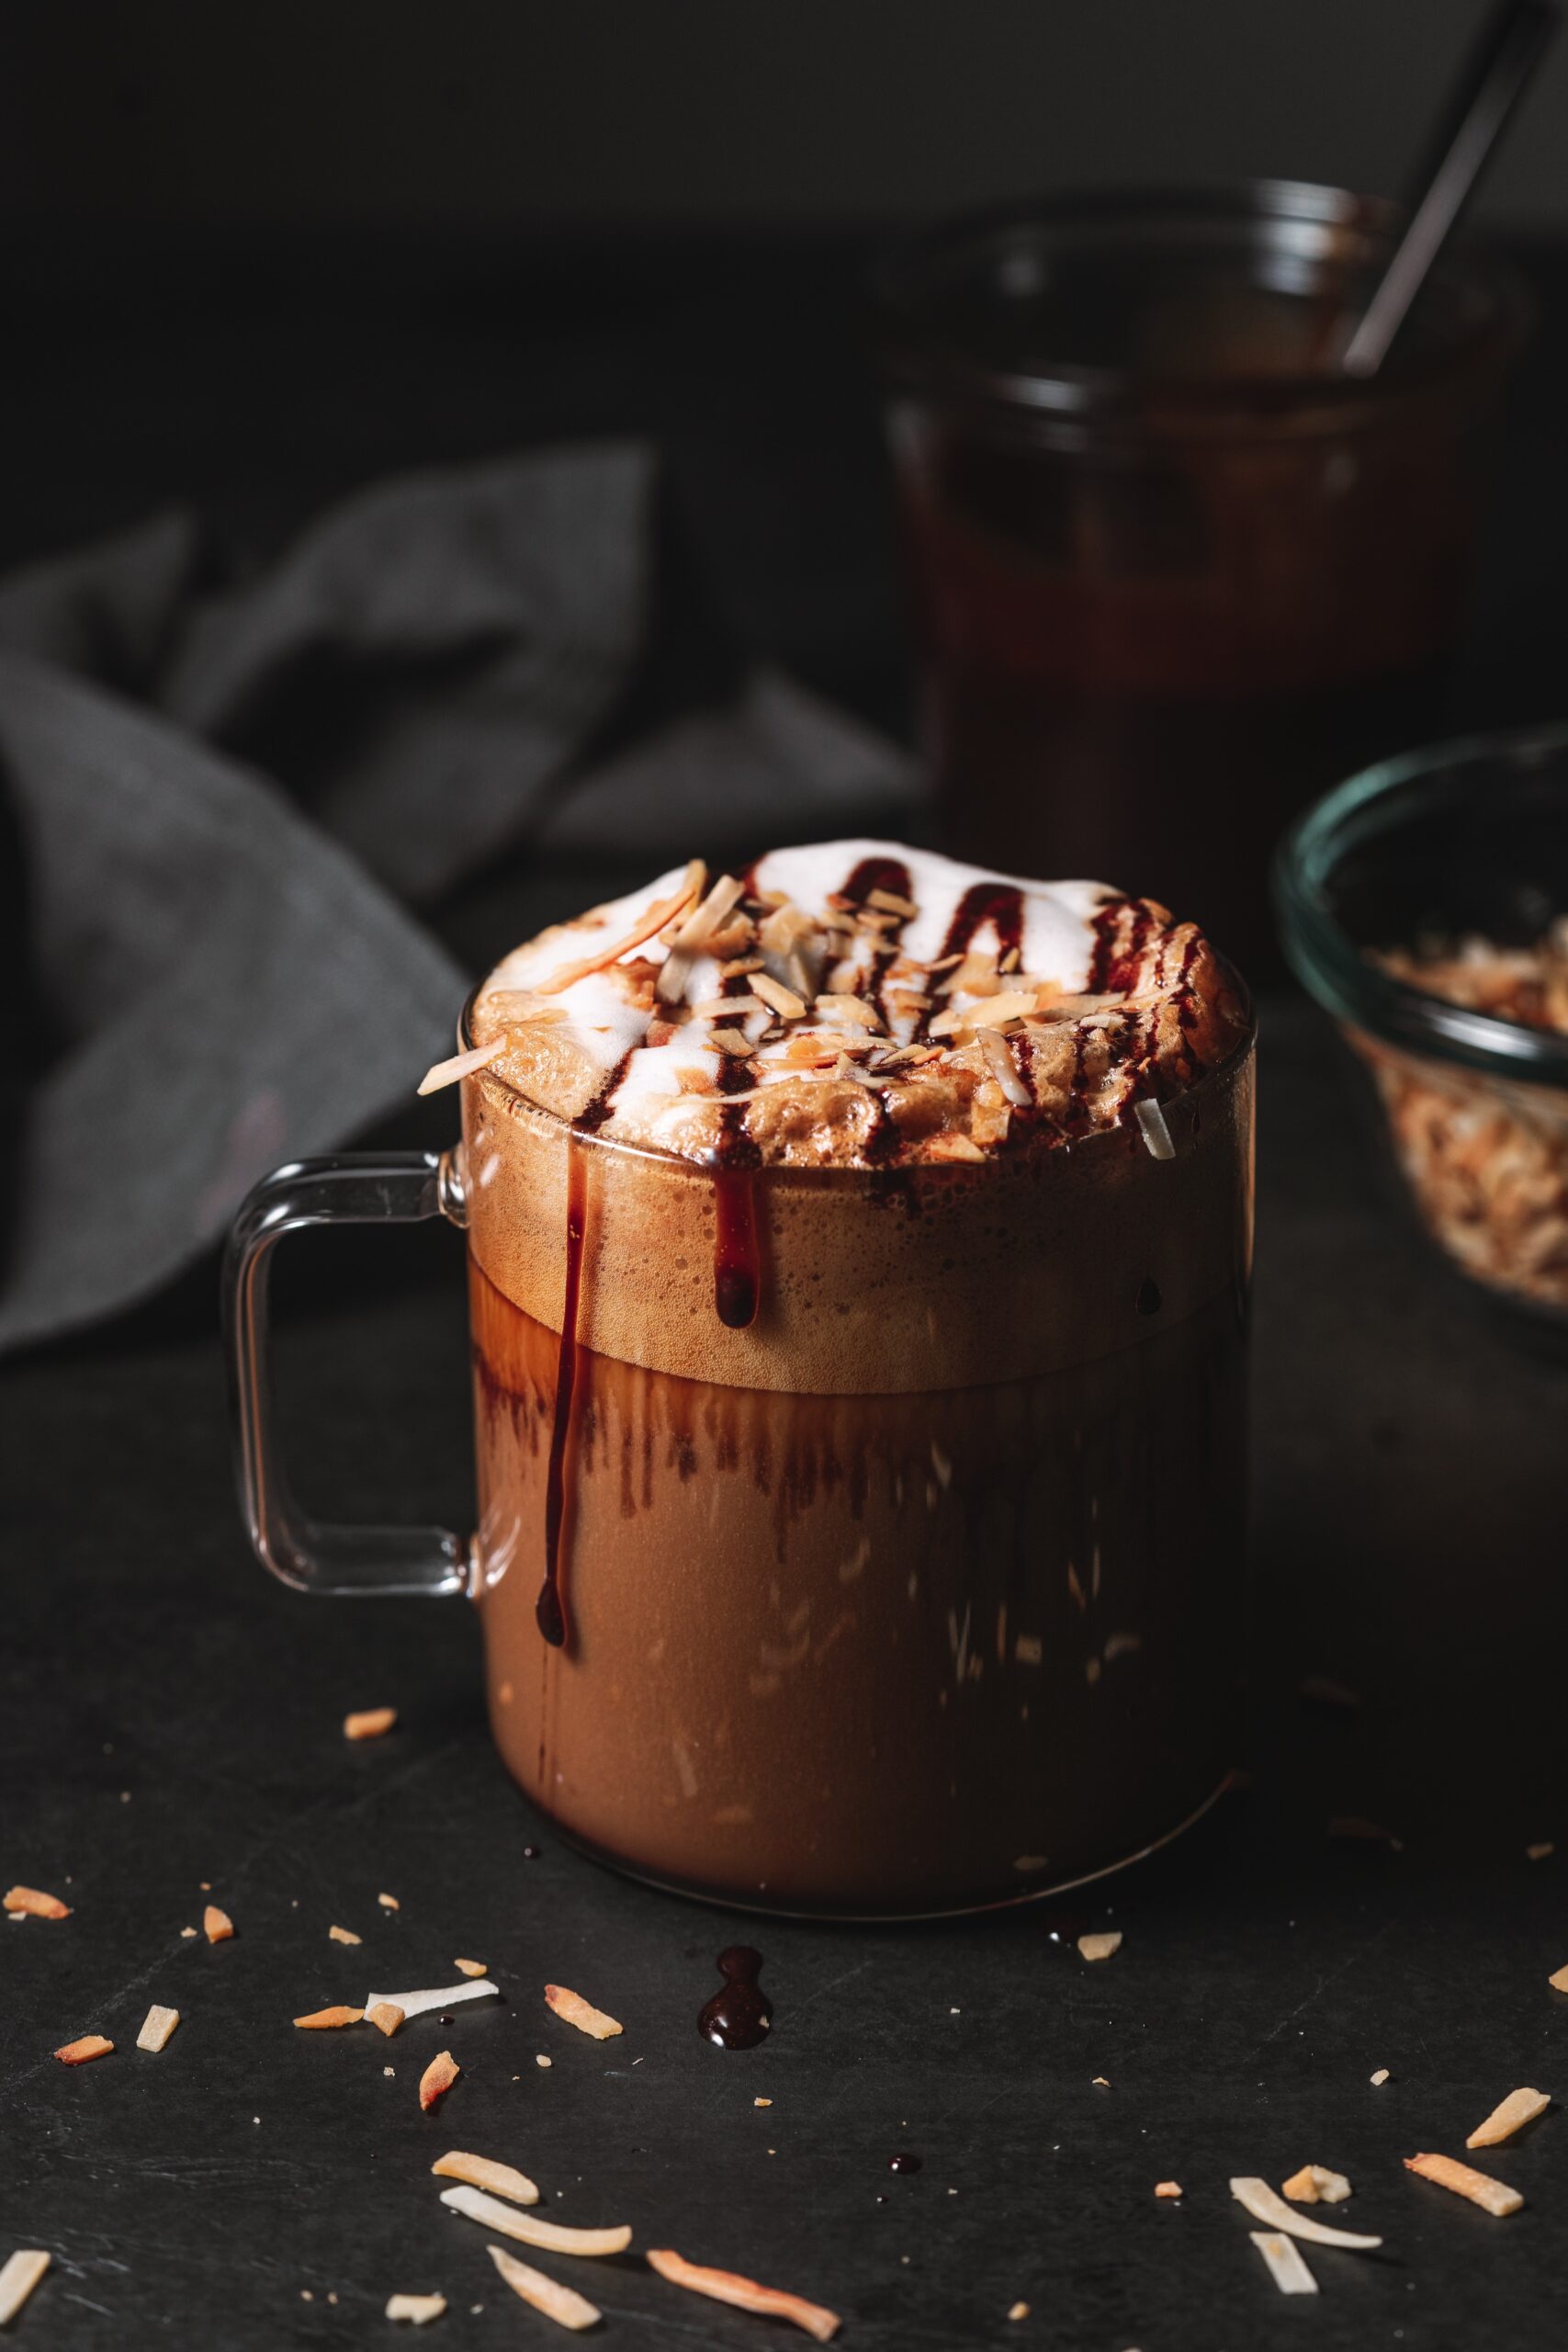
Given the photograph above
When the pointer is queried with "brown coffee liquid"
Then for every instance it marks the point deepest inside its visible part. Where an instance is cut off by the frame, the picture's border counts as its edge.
(873, 1654)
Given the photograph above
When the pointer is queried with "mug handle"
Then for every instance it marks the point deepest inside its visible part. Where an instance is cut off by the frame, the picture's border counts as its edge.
(354, 1187)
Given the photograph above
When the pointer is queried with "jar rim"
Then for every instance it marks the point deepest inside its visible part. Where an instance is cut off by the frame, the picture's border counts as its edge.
(1308, 219)
(1338, 972)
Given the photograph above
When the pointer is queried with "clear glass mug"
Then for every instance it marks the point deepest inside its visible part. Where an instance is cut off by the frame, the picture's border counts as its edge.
(920, 1591)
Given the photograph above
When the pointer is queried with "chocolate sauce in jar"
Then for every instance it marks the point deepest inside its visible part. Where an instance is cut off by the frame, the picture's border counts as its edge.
(739, 2013)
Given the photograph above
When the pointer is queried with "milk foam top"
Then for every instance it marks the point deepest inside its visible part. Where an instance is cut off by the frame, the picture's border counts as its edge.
(856, 1004)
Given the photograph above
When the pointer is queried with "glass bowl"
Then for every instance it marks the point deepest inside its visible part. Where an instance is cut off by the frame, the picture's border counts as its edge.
(1426, 856)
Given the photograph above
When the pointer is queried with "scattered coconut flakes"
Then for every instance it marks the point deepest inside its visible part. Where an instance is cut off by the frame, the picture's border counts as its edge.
(186, 1932)
(540, 2060)
(386, 2016)
(761, 2102)
(156, 2027)
(1372, 1833)
(370, 1722)
(1380, 2077)
(481, 2172)
(1157, 1138)
(433, 1997)
(419, 2309)
(459, 1066)
(437, 2079)
(1286, 2266)
(1167, 2189)
(554, 2236)
(1558, 1980)
(574, 2010)
(563, 2304)
(470, 1967)
(1316, 2185)
(651, 920)
(1264, 2206)
(18, 2278)
(1101, 1944)
(729, 2287)
(30, 1901)
(77, 2054)
(1100, 2083)
(1019, 2310)
(1509, 2116)
(777, 997)
(320, 2020)
(1492, 2196)
(1540, 1850)
(345, 1936)
(217, 1924)
(388, 1903)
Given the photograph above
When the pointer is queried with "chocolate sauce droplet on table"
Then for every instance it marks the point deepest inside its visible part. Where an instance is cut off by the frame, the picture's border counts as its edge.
(904, 2161)
(739, 2014)
(1149, 1301)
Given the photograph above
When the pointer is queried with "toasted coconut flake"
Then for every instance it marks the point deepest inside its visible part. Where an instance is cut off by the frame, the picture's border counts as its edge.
(891, 903)
(856, 1010)
(540, 2059)
(187, 1933)
(1357, 1827)
(1380, 2077)
(386, 2016)
(673, 973)
(953, 1146)
(388, 1903)
(370, 1722)
(563, 2304)
(217, 1926)
(779, 998)
(1154, 1129)
(733, 1041)
(321, 2020)
(481, 2172)
(437, 2079)
(77, 2053)
(420, 2309)
(156, 2027)
(433, 1997)
(1509, 2116)
(1540, 1850)
(1004, 1070)
(648, 925)
(1018, 2311)
(345, 1936)
(552, 2235)
(1316, 2185)
(1324, 1692)
(1286, 2266)
(19, 2277)
(1101, 1945)
(1264, 2206)
(469, 1967)
(1167, 2189)
(1558, 1980)
(1492, 2196)
(709, 912)
(713, 1008)
(463, 1065)
(32, 1902)
(729, 2287)
(574, 2010)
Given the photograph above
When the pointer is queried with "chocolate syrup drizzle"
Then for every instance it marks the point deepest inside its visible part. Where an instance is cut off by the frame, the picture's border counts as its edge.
(739, 2013)
(550, 1607)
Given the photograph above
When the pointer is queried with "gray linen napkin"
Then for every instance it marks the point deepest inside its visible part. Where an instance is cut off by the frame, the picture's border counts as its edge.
(218, 791)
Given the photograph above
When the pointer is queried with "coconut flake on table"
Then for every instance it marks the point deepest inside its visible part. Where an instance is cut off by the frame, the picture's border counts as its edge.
(436, 1996)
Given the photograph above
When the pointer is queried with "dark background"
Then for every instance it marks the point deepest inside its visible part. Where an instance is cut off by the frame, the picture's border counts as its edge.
(250, 258)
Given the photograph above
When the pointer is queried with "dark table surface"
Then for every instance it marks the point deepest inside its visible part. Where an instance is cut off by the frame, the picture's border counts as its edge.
(170, 1723)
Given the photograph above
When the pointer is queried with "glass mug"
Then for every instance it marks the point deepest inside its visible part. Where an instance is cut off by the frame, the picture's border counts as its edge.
(920, 1593)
